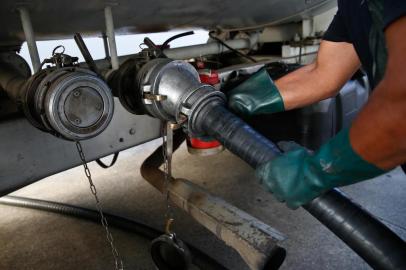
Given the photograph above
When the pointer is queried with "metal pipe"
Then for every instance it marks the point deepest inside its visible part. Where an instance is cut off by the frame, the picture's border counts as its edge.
(108, 14)
(211, 48)
(193, 51)
(368, 237)
(255, 241)
(11, 82)
(30, 38)
(105, 46)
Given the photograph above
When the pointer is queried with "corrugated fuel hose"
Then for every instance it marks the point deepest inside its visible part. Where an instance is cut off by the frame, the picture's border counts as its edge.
(200, 259)
(367, 236)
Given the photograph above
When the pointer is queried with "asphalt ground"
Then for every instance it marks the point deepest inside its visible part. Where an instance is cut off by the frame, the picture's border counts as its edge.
(31, 239)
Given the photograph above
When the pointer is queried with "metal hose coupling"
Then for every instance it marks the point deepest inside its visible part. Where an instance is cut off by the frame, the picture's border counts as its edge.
(71, 103)
(63, 99)
(171, 91)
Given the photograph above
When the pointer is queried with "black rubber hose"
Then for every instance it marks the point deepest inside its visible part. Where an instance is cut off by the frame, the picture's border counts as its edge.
(369, 238)
(235, 135)
(169, 40)
(200, 259)
(380, 247)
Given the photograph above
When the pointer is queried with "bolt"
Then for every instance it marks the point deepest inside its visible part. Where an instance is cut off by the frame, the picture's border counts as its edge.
(99, 106)
(76, 93)
(132, 131)
(78, 121)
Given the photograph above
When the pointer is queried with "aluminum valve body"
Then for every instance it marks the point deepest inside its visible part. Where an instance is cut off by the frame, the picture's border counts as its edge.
(72, 103)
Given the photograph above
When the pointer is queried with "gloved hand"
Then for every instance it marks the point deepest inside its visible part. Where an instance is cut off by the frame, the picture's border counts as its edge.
(256, 95)
(298, 176)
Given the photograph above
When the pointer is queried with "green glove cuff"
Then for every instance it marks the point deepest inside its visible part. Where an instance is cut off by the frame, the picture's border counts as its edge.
(299, 176)
(256, 95)
(340, 164)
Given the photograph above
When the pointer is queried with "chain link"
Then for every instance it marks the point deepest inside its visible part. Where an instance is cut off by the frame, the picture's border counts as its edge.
(117, 259)
(167, 155)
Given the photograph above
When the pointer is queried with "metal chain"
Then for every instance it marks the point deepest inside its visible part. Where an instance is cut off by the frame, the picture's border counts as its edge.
(117, 259)
(167, 142)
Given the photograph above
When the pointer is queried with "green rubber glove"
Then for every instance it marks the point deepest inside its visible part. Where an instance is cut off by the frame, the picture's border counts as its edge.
(298, 176)
(256, 95)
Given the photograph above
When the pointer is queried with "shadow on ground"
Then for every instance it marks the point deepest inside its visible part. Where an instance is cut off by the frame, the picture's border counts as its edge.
(31, 239)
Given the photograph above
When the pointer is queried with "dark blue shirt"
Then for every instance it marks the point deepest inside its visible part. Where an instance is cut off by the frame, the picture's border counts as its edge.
(354, 22)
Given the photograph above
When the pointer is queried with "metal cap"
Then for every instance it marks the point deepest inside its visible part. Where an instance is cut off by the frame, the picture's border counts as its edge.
(170, 253)
(78, 105)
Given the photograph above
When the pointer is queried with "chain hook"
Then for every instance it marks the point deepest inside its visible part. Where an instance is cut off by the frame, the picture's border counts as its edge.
(55, 50)
(168, 226)
(119, 265)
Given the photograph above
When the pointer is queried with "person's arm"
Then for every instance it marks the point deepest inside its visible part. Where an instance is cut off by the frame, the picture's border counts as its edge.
(379, 132)
(335, 64)
(375, 143)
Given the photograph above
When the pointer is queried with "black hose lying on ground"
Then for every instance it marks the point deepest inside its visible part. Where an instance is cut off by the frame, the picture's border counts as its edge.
(200, 259)
(369, 238)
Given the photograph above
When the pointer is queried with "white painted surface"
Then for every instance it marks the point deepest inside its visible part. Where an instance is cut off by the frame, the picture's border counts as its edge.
(128, 44)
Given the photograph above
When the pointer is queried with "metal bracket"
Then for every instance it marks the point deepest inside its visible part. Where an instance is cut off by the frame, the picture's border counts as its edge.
(108, 16)
(153, 97)
(182, 120)
(30, 37)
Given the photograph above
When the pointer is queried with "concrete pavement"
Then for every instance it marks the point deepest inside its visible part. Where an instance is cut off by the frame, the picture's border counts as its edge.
(31, 239)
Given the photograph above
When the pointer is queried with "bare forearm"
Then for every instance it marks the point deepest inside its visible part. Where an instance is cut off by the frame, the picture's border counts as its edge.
(303, 87)
(379, 132)
(335, 64)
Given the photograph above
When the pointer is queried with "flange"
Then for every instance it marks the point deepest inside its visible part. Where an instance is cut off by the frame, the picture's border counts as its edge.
(72, 103)
(172, 89)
